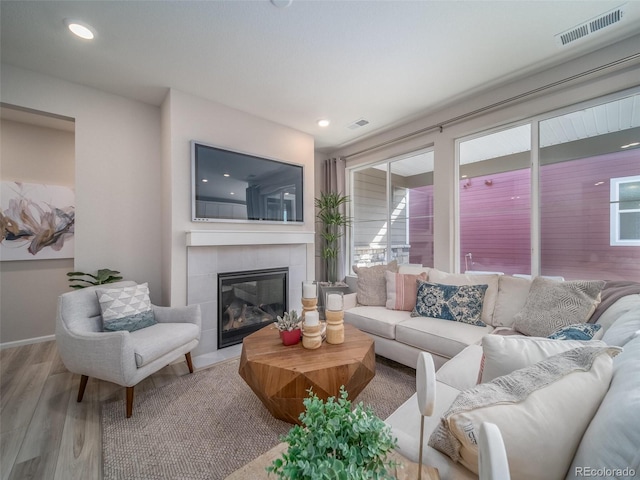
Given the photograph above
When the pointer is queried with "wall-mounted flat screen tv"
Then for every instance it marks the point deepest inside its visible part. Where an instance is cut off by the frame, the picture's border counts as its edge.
(232, 186)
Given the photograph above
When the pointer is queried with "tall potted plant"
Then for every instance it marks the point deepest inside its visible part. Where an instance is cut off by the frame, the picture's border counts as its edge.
(333, 223)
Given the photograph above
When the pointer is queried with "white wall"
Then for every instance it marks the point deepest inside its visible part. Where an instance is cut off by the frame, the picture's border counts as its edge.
(30, 288)
(117, 175)
(132, 174)
(445, 176)
(186, 117)
(319, 158)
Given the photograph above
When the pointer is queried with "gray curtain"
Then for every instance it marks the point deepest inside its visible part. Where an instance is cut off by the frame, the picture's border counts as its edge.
(333, 180)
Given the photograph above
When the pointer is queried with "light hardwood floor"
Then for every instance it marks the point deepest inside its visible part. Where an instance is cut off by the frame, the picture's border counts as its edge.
(44, 433)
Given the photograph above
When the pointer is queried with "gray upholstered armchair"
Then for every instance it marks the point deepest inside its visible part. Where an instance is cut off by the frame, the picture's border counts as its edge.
(121, 357)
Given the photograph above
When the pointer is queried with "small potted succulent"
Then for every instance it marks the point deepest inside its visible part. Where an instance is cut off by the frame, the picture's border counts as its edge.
(336, 441)
(289, 326)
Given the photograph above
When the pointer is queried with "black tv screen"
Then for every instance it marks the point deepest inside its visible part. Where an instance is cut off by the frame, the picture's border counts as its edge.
(234, 186)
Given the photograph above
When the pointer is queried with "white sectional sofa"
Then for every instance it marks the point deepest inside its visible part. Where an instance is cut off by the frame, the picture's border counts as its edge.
(606, 446)
(401, 338)
(597, 432)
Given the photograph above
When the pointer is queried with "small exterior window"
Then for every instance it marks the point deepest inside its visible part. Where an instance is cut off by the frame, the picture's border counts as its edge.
(625, 211)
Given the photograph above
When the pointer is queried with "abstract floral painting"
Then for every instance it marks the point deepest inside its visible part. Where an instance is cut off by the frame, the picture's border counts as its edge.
(36, 221)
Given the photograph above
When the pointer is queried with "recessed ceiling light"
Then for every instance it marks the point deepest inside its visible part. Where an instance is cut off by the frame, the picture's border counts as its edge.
(634, 144)
(79, 29)
(323, 122)
(204, 180)
(226, 175)
(232, 193)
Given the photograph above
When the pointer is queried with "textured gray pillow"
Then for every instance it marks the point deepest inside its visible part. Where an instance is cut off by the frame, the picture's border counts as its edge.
(552, 304)
(372, 286)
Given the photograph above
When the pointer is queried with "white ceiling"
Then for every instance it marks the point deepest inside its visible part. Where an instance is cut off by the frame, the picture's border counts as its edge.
(385, 61)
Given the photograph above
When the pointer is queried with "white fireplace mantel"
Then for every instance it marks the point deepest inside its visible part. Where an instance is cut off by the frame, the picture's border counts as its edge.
(209, 238)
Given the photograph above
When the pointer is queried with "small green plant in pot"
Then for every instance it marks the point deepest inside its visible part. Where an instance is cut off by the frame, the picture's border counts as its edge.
(288, 321)
(289, 326)
(336, 442)
(102, 276)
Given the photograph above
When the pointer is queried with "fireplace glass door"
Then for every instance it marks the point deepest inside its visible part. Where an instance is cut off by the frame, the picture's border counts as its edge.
(248, 301)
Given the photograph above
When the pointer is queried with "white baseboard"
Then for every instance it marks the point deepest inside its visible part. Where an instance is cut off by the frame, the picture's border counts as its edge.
(208, 359)
(27, 341)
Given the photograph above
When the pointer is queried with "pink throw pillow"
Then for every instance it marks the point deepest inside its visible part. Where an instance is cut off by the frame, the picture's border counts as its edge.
(402, 290)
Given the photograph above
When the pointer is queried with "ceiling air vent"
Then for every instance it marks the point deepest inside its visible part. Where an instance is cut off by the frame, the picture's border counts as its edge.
(587, 28)
(358, 123)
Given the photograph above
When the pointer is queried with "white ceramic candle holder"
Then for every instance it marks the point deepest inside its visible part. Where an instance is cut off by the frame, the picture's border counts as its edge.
(309, 289)
(312, 331)
(334, 301)
(334, 314)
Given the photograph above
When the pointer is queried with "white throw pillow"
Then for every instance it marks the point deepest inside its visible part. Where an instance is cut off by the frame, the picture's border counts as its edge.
(489, 303)
(505, 354)
(542, 412)
(512, 295)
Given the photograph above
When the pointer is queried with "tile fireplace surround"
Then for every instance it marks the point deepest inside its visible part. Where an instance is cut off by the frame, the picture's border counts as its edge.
(212, 252)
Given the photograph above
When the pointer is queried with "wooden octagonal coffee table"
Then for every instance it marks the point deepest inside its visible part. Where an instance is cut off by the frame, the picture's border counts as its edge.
(280, 376)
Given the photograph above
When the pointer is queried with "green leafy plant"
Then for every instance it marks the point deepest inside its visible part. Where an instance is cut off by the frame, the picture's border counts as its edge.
(333, 224)
(101, 277)
(289, 321)
(336, 442)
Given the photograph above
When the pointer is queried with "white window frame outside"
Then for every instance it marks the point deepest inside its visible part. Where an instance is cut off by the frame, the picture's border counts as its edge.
(615, 212)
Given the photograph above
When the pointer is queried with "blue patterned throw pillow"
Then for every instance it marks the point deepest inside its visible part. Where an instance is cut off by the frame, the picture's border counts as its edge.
(579, 331)
(459, 303)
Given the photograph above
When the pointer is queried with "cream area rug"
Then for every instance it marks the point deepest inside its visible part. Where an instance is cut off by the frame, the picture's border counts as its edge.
(209, 424)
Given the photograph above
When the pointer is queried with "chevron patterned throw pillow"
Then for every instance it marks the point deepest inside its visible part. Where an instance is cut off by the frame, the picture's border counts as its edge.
(127, 308)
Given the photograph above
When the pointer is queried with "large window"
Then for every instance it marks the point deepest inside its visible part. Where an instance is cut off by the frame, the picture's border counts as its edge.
(392, 210)
(575, 213)
(556, 195)
(582, 153)
(495, 202)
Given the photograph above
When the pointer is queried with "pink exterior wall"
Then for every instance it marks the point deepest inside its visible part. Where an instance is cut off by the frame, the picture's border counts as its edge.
(575, 214)
(495, 221)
